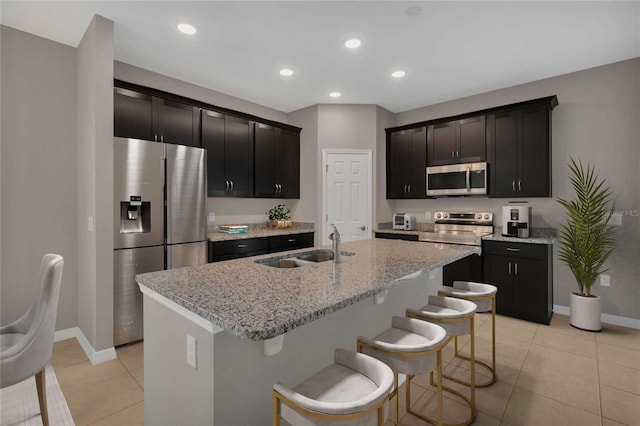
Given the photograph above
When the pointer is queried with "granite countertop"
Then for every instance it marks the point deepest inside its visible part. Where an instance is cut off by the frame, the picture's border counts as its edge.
(258, 302)
(258, 233)
(537, 236)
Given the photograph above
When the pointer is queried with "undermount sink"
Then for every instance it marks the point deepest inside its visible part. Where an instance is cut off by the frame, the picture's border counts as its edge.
(321, 255)
(303, 259)
(283, 263)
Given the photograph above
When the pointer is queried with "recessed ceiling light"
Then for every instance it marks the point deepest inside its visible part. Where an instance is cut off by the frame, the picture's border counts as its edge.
(398, 74)
(335, 94)
(286, 72)
(187, 29)
(353, 43)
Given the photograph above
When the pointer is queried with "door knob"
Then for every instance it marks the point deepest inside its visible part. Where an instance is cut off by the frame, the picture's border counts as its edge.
(363, 228)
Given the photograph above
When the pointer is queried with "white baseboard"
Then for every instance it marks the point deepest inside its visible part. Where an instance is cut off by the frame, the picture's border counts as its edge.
(95, 357)
(606, 318)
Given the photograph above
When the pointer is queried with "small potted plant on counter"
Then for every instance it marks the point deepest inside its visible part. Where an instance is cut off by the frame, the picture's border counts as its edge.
(586, 241)
(279, 217)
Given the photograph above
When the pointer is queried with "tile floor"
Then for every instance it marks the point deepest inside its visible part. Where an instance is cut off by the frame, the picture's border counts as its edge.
(547, 375)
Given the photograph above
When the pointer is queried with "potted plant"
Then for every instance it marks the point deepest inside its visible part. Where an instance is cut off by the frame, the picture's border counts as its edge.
(279, 217)
(586, 241)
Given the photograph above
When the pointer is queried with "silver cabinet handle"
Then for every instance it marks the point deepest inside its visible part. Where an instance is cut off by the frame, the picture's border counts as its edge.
(291, 240)
(280, 187)
(513, 249)
(226, 185)
(276, 185)
(468, 179)
(242, 245)
(519, 185)
(513, 185)
(458, 153)
(509, 268)
(409, 186)
(404, 189)
(162, 138)
(232, 185)
(363, 228)
(155, 137)
(516, 268)
(452, 154)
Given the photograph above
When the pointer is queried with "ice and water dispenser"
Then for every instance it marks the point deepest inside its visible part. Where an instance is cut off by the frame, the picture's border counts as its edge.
(135, 216)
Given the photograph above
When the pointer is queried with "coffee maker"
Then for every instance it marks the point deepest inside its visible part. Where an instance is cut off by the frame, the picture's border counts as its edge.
(516, 218)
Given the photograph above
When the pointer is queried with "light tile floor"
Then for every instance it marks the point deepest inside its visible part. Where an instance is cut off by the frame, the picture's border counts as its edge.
(547, 375)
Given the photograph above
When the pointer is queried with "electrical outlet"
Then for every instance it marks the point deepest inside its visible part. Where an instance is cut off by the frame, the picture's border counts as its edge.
(90, 223)
(605, 280)
(427, 215)
(616, 219)
(212, 217)
(191, 351)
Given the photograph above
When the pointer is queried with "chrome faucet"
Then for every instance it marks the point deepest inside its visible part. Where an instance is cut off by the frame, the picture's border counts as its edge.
(335, 247)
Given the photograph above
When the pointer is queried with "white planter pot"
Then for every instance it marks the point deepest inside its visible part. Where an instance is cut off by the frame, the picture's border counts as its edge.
(585, 312)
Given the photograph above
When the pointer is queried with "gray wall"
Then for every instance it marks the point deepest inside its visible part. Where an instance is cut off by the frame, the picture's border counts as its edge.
(95, 182)
(596, 121)
(38, 170)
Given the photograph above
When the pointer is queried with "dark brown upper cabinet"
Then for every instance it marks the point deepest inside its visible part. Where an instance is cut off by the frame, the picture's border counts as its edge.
(406, 163)
(229, 144)
(519, 145)
(142, 116)
(277, 162)
(457, 141)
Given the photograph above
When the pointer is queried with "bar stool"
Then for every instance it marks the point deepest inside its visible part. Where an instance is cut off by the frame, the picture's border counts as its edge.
(484, 296)
(352, 391)
(409, 347)
(456, 316)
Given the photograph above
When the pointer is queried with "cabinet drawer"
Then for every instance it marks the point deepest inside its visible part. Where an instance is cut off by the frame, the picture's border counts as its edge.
(290, 242)
(394, 236)
(239, 246)
(528, 250)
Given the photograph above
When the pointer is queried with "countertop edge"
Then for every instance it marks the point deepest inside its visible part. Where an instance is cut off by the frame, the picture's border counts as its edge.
(496, 236)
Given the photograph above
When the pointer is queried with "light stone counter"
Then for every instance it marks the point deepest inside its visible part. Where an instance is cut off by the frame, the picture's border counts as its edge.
(257, 302)
(538, 235)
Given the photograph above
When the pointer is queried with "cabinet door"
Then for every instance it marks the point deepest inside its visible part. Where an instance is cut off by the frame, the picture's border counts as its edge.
(530, 289)
(265, 143)
(133, 114)
(287, 163)
(497, 271)
(442, 144)
(239, 156)
(397, 157)
(178, 123)
(503, 139)
(471, 140)
(213, 140)
(534, 177)
(465, 269)
(417, 141)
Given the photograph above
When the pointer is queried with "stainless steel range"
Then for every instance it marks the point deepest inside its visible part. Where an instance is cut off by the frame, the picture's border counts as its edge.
(459, 228)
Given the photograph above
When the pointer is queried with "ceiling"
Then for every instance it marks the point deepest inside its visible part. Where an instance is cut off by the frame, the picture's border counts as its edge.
(451, 50)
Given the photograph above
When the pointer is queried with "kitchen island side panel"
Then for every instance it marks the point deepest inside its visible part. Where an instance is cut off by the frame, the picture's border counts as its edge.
(175, 393)
(238, 370)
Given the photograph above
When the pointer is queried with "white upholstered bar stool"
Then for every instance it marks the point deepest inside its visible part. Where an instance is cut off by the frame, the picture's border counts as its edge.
(352, 391)
(456, 316)
(484, 296)
(409, 347)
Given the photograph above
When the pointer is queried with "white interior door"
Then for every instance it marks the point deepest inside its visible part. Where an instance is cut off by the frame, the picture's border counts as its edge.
(347, 194)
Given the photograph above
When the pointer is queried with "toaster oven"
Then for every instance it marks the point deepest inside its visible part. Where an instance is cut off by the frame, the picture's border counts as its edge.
(404, 221)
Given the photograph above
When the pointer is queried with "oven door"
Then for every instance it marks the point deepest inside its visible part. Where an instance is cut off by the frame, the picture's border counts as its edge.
(457, 179)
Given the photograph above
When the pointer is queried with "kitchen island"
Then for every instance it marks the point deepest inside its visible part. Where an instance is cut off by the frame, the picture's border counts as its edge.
(255, 324)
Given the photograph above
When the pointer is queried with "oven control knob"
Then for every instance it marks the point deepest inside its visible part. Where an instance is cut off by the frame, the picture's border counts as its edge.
(486, 216)
(478, 216)
(445, 215)
(438, 215)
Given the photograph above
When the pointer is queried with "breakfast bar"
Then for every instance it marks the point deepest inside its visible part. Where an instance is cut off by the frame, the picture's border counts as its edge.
(218, 336)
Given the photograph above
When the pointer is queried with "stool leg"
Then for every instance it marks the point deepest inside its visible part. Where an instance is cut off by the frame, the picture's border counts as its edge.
(395, 386)
(493, 334)
(276, 411)
(473, 368)
(42, 396)
(439, 361)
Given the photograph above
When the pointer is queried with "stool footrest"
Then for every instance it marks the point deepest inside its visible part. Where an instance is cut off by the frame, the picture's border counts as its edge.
(484, 384)
(433, 421)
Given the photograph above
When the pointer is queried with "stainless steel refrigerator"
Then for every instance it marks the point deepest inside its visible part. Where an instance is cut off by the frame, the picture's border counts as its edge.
(159, 220)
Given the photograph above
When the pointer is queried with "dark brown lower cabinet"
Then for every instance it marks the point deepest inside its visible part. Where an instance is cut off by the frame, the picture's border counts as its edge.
(523, 274)
(466, 269)
(394, 236)
(247, 247)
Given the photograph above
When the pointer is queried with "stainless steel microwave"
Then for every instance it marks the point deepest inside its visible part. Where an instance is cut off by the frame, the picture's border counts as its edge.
(457, 179)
